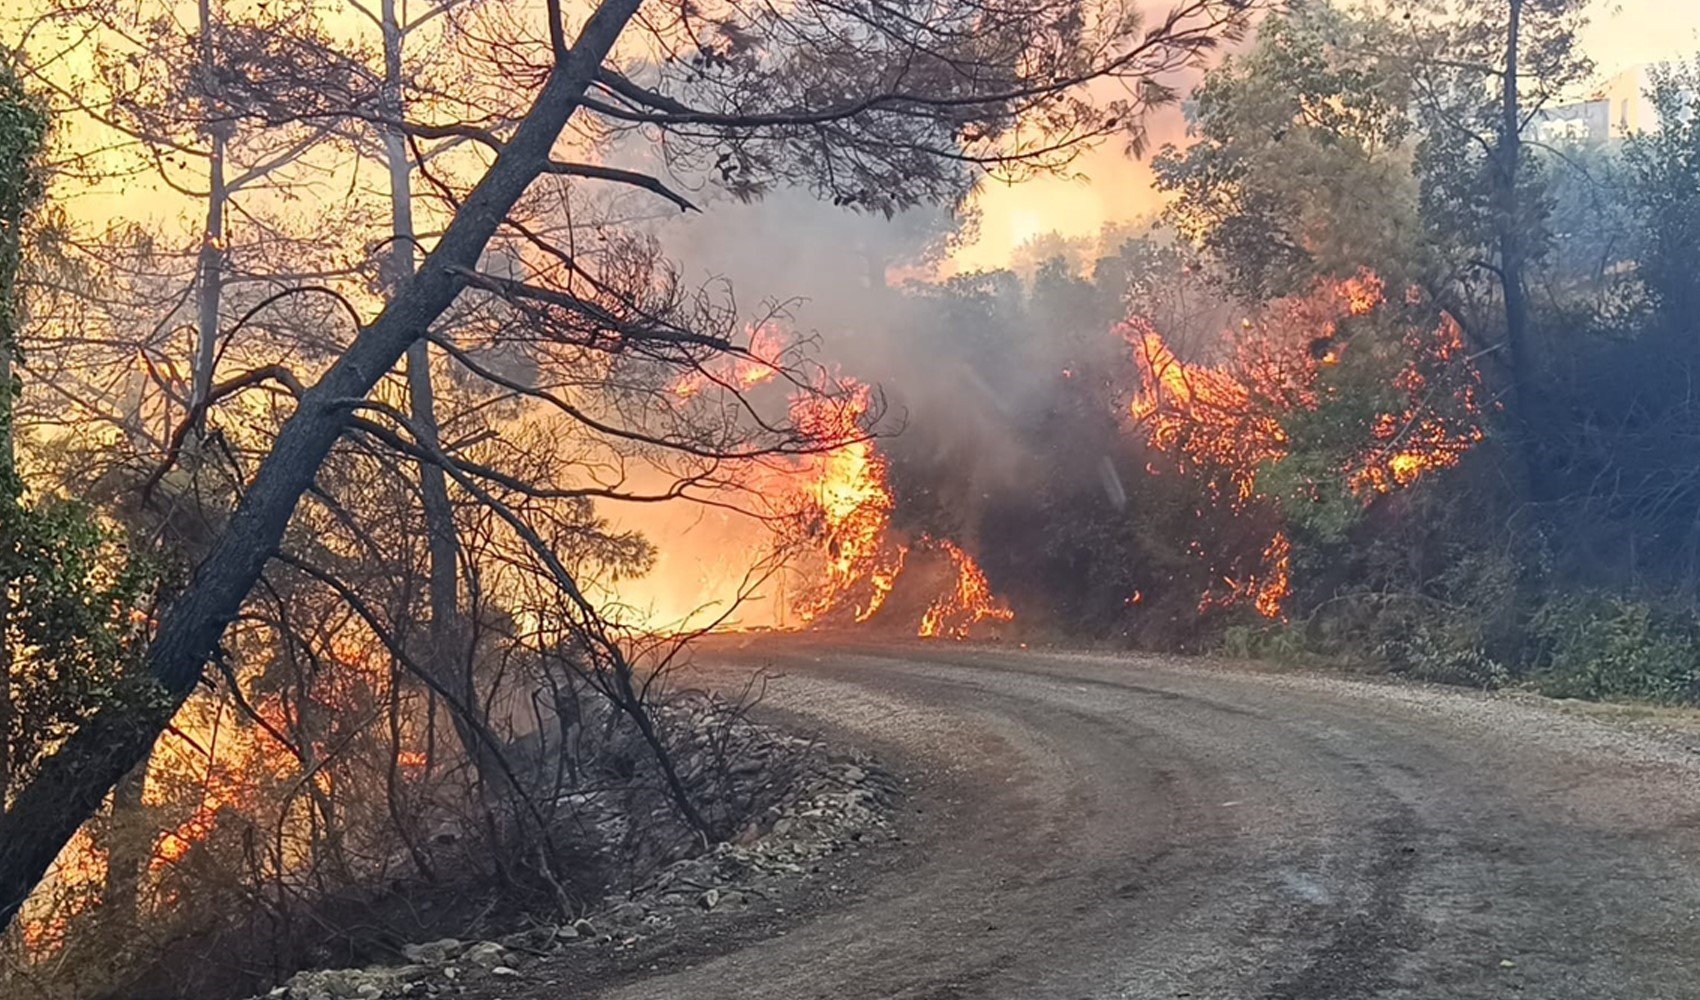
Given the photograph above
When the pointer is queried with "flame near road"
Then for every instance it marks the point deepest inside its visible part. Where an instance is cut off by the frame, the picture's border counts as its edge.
(865, 558)
(823, 516)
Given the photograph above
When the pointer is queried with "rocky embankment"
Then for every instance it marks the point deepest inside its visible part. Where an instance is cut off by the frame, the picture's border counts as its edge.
(835, 806)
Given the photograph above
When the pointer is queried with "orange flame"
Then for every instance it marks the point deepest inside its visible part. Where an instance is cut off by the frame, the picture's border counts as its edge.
(1417, 440)
(847, 491)
(954, 613)
(1224, 421)
(851, 503)
(1201, 414)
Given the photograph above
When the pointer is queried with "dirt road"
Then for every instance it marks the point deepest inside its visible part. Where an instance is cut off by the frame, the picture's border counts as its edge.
(1092, 827)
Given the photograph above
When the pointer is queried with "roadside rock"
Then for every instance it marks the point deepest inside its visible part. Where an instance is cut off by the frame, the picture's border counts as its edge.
(628, 914)
(535, 939)
(434, 952)
(827, 805)
(487, 955)
(354, 984)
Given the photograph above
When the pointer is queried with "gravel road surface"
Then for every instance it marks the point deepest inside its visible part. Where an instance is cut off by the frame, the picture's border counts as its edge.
(1103, 827)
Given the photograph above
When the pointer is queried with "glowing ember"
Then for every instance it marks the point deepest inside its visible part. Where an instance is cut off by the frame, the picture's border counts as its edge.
(1419, 439)
(226, 788)
(173, 845)
(77, 874)
(1269, 593)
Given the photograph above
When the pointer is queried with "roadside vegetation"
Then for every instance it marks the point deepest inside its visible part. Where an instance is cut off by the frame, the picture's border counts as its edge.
(1403, 378)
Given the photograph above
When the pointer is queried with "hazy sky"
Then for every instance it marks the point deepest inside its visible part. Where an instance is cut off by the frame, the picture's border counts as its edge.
(1114, 189)
(1626, 33)
(1110, 187)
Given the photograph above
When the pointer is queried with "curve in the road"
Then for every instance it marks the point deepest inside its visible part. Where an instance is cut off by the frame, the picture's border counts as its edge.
(1137, 828)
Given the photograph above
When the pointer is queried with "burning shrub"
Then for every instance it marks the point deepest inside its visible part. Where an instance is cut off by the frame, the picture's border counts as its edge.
(855, 565)
(1324, 404)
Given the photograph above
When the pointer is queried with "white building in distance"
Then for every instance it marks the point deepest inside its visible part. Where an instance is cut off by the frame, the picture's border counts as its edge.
(1619, 108)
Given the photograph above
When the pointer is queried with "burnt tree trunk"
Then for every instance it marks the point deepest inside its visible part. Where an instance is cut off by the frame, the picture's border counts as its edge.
(71, 784)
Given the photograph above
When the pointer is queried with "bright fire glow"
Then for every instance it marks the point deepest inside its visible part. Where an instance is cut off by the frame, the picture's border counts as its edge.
(850, 509)
(1224, 421)
(954, 613)
(852, 505)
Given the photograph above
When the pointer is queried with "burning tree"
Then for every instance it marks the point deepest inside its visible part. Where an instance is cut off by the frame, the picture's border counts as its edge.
(1324, 404)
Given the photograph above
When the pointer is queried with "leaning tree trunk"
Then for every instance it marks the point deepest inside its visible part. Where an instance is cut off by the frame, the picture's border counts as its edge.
(70, 785)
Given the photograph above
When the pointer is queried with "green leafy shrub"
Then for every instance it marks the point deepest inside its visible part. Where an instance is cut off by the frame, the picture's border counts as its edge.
(74, 624)
(1606, 646)
(1277, 642)
(1444, 655)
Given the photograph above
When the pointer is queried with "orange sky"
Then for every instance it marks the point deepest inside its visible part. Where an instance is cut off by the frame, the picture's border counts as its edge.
(1626, 33)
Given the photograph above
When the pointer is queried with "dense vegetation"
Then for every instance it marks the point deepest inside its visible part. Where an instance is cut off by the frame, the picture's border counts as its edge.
(1547, 529)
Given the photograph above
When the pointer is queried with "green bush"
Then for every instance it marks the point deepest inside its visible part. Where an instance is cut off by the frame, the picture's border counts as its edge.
(1443, 656)
(1276, 642)
(1604, 646)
